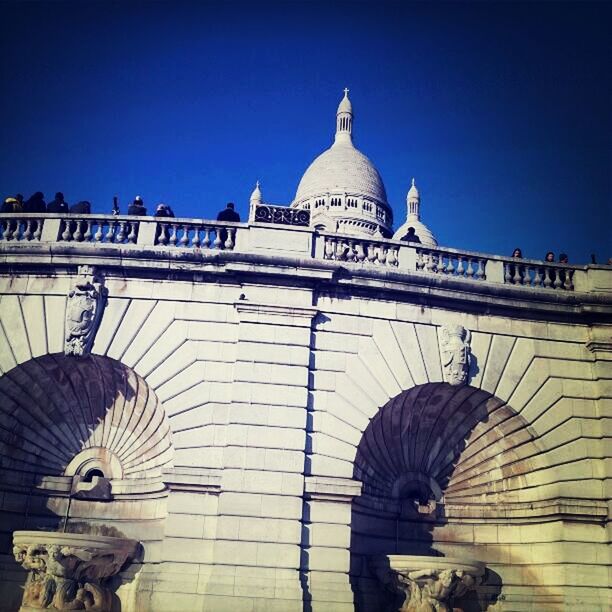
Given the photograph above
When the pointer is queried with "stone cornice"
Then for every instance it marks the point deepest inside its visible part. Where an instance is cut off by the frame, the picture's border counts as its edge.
(462, 294)
(328, 488)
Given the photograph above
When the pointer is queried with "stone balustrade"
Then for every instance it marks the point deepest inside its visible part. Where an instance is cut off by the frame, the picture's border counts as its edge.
(531, 273)
(280, 230)
(451, 263)
(20, 227)
(361, 250)
(92, 228)
(196, 234)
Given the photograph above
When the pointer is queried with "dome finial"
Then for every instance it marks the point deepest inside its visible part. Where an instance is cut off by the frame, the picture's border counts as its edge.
(344, 120)
(413, 200)
(413, 181)
(256, 195)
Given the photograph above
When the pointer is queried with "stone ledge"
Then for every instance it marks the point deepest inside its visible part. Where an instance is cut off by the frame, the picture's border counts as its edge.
(330, 488)
(197, 480)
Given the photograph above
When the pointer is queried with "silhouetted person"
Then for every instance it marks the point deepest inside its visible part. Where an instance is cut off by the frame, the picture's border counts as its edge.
(563, 258)
(163, 210)
(58, 205)
(81, 208)
(229, 214)
(116, 210)
(550, 257)
(19, 198)
(593, 260)
(137, 207)
(35, 204)
(516, 254)
(411, 236)
(11, 205)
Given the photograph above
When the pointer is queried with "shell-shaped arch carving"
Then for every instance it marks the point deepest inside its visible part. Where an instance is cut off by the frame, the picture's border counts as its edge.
(53, 408)
(439, 440)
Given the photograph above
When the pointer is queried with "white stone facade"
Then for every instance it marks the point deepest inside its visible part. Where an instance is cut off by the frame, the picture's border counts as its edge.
(272, 415)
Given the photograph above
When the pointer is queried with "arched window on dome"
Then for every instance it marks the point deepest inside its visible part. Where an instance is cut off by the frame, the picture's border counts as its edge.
(306, 206)
(367, 206)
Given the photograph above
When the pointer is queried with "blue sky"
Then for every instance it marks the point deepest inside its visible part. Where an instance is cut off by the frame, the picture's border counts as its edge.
(502, 112)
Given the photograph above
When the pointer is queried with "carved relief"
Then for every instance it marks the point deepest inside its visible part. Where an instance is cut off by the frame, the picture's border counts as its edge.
(455, 353)
(68, 575)
(84, 311)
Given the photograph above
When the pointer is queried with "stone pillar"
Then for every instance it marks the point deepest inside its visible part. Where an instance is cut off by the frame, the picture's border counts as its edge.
(257, 549)
(326, 542)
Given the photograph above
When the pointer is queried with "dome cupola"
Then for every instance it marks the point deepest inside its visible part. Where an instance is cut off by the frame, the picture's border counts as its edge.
(342, 188)
(413, 230)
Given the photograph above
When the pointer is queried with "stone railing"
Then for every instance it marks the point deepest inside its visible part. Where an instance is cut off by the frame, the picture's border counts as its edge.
(361, 250)
(93, 228)
(451, 263)
(281, 237)
(20, 227)
(283, 215)
(179, 233)
(531, 273)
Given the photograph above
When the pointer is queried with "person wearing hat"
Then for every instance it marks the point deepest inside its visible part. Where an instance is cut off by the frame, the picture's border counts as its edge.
(58, 205)
(163, 210)
(137, 207)
(11, 205)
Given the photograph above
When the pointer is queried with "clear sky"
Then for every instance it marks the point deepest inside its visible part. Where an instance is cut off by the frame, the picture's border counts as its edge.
(502, 112)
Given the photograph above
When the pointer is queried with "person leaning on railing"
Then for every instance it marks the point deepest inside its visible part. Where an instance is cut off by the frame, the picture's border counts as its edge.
(58, 205)
(512, 269)
(230, 215)
(11, 205)
(137, 207)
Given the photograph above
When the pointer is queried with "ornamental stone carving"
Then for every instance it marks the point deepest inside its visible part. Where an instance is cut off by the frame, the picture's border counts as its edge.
(455, 353)
(429, 584)
(67, 571)
(86, 301)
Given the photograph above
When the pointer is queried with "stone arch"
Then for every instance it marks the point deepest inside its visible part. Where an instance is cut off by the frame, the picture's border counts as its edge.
(432, 453)
(55, 408)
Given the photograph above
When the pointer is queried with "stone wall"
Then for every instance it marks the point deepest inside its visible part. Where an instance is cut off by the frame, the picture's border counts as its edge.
(270, 385)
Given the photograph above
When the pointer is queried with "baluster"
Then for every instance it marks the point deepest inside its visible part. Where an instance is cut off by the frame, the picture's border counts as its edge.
(557, 284)
(507, 275)
(98, 235)
(38, 230)
(460, 267)
(537, 277)
(78, 234)
(360, 252)
(517, 279)
(206, 241)
(470, 268)
(371, 253)
(27, 234)
(480, 273)
(185, 237)
(338, 250)
(547, 279)
(121, 233)
(329, 248)
(217, 242)
(569, 280)
(450, 269)
(87, 234)
(526, 277)
(132, 232)
(229, 243)
(111, 231)
(173, 236)
(392, 256)
(419, 261)
(67, 234)
(196, 242)
(162, 233)
(443, 260)
(9, 230)
(382, 254)
(429, 263)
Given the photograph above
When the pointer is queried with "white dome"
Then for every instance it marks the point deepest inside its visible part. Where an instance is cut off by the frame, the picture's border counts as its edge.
(342, 168)
(420, 229)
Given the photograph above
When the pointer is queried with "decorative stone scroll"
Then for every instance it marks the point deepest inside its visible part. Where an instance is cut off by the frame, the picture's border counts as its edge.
(67, 570)
(429, 584)
(86, 301)
(455, 353)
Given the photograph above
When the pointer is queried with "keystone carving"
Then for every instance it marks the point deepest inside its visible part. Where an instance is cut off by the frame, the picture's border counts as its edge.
(455, 353)
(86, 301)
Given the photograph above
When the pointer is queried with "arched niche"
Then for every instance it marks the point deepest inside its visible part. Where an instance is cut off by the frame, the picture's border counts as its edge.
(63, 415)
(432, 451)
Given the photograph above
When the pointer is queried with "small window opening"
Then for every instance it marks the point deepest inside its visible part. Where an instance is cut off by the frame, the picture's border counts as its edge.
(91, 473)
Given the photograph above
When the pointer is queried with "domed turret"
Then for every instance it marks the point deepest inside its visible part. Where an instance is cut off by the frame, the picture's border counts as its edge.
(342, 188)
(413, 230)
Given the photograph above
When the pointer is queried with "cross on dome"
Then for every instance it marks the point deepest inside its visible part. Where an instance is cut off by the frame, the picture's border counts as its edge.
(346, 90)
